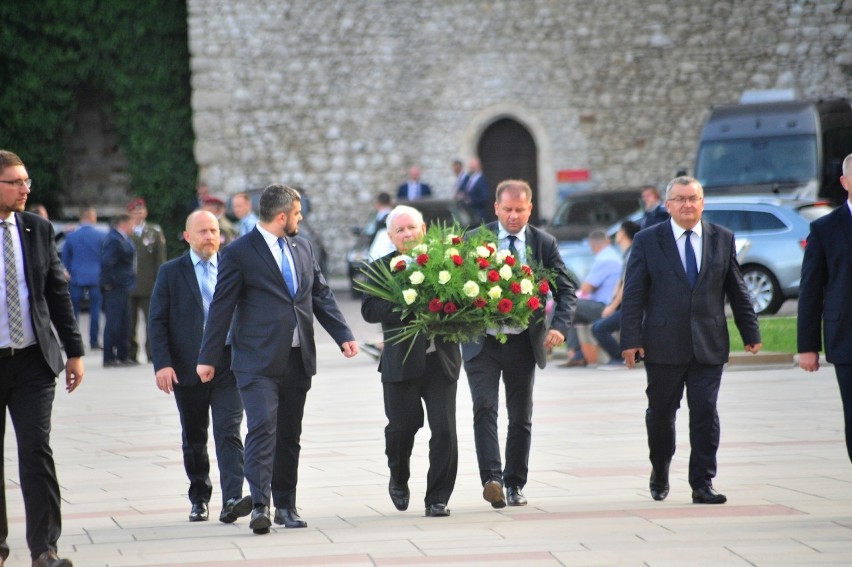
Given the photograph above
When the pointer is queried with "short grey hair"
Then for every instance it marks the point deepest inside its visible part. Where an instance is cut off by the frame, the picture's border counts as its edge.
(598, 235)
(847, 166)
(401, 210)
(277, 199)
(684, 180)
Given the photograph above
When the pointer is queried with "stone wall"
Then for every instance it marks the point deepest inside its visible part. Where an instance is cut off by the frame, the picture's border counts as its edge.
(341, 96)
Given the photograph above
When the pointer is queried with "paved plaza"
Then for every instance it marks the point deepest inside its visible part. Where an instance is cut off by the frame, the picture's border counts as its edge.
(782, 464)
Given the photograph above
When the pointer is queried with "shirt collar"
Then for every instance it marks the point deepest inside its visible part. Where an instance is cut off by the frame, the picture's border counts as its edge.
(12, 220)
(214, 259)
(503, 233)
(849, 204)
(271, 239)
(679, 230)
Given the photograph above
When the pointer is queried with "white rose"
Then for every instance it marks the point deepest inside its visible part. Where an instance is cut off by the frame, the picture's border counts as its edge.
(443, 277)
(451, 252)
(416, 278)
(483, 252)
(471, 289)
(526, 286)
(482, 276)
(397, 259)
(495, 292)
(409, 295)
(420, 249)
(501, 255)
(506, 272)
(451, 237)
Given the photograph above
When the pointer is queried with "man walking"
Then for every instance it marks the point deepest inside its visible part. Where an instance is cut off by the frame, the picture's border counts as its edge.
(179, 307)
(118, 277)
(33, 294)
(268, 292)
(81, 256)
(487, 359)
(673, 316)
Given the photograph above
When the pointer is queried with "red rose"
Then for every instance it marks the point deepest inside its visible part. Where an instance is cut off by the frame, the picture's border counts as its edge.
(422, 259)
(400, 266)
(491, 249)
(526, 269)
(483, 263)
(515, 287)
(533, 303)
(479, 303)
(505, 305)
(435, 306)
(493, 276)
(543, 288)
(458, 260)
(510, 260)
(456, 240)
(450, 308)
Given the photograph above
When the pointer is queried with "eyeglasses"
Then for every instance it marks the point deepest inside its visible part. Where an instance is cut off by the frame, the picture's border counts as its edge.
(681, 200)
(18, 182)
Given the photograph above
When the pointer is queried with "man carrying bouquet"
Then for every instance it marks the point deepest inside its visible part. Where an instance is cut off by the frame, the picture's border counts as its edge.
(487, 358)
(413, 369)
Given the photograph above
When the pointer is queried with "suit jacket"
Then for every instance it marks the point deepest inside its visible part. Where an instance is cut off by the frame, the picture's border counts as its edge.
(176, 322)
(655, 216)
(81, 255)
(672, 321)
(477, 194)
(117, 262)
(49, 301)
(402, 191)
(824, 289)
(250, 290)
(405, 361)
(150, 255)
(546, 252)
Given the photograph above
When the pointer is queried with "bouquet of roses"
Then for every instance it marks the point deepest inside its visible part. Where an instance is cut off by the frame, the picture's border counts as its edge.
(456, 288)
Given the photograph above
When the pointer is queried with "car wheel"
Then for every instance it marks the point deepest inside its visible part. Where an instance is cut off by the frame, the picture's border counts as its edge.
(763, 289)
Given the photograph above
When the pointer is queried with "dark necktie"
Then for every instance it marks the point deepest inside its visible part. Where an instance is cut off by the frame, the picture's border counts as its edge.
(285, 269)
(691, 263)
(512, 248)
(13, 301)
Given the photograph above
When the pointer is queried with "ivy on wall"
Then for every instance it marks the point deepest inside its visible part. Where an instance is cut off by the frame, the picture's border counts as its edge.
(134, 51)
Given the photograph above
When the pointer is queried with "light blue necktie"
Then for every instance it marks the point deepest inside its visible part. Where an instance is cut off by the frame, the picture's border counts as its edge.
(207, 287)
(691, 263)
(285, 269)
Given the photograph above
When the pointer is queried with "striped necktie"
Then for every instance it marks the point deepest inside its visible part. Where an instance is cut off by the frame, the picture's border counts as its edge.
(207, 287)
(13, 300)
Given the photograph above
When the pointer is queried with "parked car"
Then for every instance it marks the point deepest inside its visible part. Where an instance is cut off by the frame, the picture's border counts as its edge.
(446, 211)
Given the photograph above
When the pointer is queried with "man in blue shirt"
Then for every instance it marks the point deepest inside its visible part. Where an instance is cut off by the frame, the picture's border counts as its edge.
(81, 256)
(241, 205)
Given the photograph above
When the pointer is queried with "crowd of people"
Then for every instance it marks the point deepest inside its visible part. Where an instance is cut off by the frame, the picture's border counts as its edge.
(230, 331)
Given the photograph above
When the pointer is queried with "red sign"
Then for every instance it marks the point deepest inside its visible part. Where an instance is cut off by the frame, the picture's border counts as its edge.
(572, 175)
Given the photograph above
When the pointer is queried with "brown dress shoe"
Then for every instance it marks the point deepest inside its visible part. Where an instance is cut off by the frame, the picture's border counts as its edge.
(574, 362)
(493, 492)
(50, 559)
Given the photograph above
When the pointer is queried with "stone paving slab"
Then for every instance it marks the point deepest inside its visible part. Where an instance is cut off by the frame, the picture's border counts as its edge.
(782, 464)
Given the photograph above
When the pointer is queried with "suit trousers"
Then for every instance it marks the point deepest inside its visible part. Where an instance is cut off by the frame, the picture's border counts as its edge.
(196, 403)
(665, 390)
(95, 301)
(137, 304)
(515, 361)
(274, 409)
(404, 410)
(844, 381)
(117, 326)
(27, 389)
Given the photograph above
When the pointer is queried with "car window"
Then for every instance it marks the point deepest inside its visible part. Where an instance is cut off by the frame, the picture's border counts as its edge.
(745, 221)
(595, 213)
(763, 221)
(813, 212)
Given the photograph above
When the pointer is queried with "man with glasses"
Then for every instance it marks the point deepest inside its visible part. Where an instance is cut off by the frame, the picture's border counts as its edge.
(673, 317)
(33, 293)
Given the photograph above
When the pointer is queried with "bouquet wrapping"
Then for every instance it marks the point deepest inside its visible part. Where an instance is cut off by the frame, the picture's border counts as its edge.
(457, 286)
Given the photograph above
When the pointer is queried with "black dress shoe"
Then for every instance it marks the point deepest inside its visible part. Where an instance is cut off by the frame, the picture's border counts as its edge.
(493, 492)
(260, 520)
(706, 495)
(50, 559)
(235, 508)
(399, 494)
(289, 518)
(515, 497)
(659, 485)
(437, 510)
(199, 512)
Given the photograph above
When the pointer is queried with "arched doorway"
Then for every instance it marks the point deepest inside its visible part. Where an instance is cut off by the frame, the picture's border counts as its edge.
(507, 151)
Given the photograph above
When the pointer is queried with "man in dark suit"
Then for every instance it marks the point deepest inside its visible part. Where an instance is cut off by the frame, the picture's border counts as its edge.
(655, 209)
(413, 189)
(150, 243)
(474, 189)
(118, 276)
(414, 370)
(179, 307)
(269, 290)
(673, 316)
(34, 295)
(487, 359)
(81, 256)
(824, 297)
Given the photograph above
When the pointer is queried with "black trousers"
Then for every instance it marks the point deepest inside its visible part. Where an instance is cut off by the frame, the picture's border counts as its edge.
(221, 398)
(404, 410)
(27, 389)
(515, 362)
(274, 410)
(844, 381)
(117, 325)
(666, 383)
